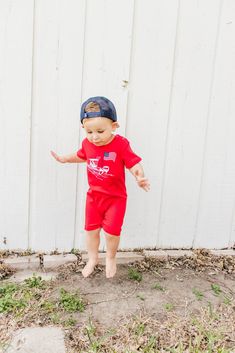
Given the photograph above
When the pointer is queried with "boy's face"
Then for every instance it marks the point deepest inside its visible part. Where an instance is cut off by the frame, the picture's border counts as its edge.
(99, 130)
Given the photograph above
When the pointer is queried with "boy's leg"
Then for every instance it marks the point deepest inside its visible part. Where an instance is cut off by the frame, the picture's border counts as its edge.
(112, 243)
(112, 225)
(92, 243)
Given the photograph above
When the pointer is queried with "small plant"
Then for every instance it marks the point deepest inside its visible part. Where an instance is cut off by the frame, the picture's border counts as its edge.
(8, 289)
(140, 296)
(55, 318)
(134, 274)
(198, 294)
(152, 344)
(71, 302)
(159, 287)
(74, 251)
(169, 306)
(35, 281)
(48, 306)
(140, 329)
(90, 329)
(95, 343)
(212, 312)
(227, 301)
(216, 289)
(8, 300)
(70, 322)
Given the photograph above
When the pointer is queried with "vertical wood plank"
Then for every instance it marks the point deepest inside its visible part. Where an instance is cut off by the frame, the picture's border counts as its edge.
(107, 52)
(106, 69)
(16, 39)
(59, 32)
(193, 72)
(148, 106)
(216, 207)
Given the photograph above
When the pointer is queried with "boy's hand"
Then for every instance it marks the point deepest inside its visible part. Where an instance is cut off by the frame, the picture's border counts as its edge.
(143, 183)
(138, 173)
(60, 159)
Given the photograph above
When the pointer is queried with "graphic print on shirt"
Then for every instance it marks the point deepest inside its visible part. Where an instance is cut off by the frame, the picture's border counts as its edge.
(110, 156)
(100, 172)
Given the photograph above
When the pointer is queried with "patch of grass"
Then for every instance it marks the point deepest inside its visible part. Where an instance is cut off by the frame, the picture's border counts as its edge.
(8, 299)
(211, 312)
(95, 343)
(176, 334)
(198, 294)
(139, 329)
(140, 296)
(134, 274)
(227, 300)
(74, 251)
(71, 302)
(35, 282)
(55, 318)
(8, 289)
(216, 289)
(48, 306)
(159, 287)
(169, 306)
(70, 322)
(9, 304)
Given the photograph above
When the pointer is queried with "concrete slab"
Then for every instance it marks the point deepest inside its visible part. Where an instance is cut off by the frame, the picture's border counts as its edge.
(20, 276)
(37, 340)
(23, 262)
(33, 262)
(226, 252)
(50, 262)
(178, 253)
(160, 254)
(122, 257)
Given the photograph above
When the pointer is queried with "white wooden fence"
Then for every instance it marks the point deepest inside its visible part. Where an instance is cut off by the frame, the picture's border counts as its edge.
(169, 67)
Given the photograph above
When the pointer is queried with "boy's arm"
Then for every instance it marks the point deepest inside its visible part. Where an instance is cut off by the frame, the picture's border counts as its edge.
(138, 172)
(70, 158)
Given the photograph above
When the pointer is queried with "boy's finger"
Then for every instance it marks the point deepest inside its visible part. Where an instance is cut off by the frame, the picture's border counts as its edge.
(53, 154)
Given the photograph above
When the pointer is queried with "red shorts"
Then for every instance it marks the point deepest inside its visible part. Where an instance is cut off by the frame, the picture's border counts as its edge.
(105, 211)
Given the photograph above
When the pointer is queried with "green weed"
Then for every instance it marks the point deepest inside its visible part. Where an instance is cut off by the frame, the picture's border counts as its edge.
(169, 306)
(134, 274)
(159, 287)
(216, 289)
(71, 302)
(140, 296)
(198, 294)
(48, 306)
(35, 281)
(70, 322)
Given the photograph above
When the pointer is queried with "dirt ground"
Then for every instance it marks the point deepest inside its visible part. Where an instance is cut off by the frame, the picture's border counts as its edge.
(111, 300)
(178, 305)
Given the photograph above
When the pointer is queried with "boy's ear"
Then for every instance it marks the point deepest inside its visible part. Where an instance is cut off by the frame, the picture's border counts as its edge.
(115, 125)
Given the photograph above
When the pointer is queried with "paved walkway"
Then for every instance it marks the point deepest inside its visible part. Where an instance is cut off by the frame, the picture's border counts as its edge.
(38, 340)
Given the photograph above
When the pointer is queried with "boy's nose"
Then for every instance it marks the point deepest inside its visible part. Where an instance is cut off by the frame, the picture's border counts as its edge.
(95, 137)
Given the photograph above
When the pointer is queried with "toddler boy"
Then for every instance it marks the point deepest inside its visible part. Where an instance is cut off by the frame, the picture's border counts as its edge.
(106, 156)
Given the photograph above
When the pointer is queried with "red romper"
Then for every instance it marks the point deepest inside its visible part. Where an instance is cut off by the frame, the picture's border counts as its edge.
(106, 197)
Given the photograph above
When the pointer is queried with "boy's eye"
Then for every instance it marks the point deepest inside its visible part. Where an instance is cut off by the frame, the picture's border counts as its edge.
(89, 132)
(100, 131)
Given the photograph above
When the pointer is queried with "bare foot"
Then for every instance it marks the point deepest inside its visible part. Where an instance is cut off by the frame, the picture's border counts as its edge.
(111, 267)
(89, 268)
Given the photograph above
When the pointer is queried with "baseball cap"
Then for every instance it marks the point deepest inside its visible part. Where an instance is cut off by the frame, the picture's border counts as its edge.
(107, 109)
